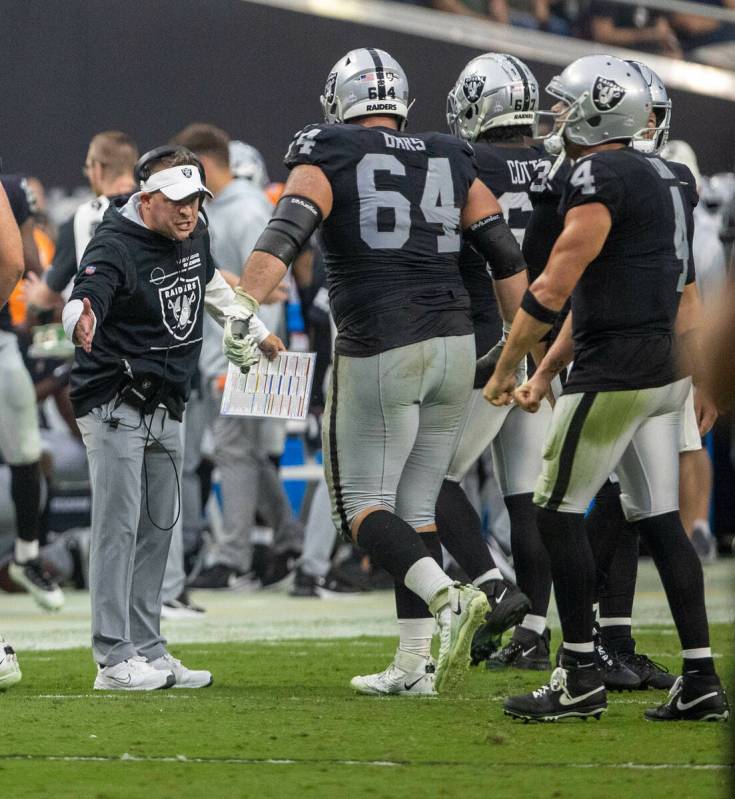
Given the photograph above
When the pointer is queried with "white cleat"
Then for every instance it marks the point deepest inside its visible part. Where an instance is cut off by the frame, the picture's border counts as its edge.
(133, 674)
(9, 668)
(185, 678)
(459, 610)
(407, 675)
(33, 577)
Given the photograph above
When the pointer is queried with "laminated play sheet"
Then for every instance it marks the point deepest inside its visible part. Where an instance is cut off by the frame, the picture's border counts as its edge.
(277, 389)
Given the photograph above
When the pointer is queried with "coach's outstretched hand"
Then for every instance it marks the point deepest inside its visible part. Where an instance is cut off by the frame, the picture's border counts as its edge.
(530, 394)
(84, 328)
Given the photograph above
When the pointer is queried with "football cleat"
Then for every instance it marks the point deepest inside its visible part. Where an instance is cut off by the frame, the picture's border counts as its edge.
(508, 605)
(407, 675)
(651, 674)
(185, 678)
(615, 674)
(693, 697)
(34, 578)
(459, 610)
(9, 668)
(571, 693)
(133, 674)
(525, 650)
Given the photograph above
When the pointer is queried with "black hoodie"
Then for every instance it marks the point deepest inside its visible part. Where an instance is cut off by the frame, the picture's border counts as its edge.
(147, 292)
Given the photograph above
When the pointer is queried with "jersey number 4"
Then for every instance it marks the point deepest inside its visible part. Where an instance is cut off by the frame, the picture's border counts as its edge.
(437, 204)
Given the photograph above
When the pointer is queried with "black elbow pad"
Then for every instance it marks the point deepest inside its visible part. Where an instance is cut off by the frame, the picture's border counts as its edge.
(492, 238)
(290, 227)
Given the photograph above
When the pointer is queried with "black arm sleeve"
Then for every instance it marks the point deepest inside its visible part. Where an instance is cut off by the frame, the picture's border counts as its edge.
(64, 265)
(290, 227)
(101, 275)
(495, 242)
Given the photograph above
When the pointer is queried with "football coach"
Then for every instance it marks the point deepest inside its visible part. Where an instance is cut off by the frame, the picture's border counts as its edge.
(135, 315)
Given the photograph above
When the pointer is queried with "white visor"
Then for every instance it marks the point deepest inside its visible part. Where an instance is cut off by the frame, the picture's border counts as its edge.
(176, 182)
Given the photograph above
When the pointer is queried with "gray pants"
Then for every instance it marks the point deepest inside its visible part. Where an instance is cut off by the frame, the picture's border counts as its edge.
(250, 482)
(634, 433)
(319, 534)
(20, 438)
(391, 425)
(128, 552)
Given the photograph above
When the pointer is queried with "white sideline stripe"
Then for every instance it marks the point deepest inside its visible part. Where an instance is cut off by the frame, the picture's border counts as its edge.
(244, 761)
(101, 695)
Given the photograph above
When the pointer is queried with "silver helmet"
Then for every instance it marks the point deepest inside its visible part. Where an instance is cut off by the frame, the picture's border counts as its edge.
(661, 108)
(606, 100)
(494, 90)
(247, 162)
(366, 82)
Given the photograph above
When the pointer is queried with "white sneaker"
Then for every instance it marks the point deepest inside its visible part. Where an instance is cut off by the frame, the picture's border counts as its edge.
(133, 674)
(459, 610)
(33, 577)
(185, 678)
(9, 668)
(407, 675)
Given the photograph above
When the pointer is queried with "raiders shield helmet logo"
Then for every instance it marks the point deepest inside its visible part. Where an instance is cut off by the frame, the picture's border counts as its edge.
(606, 94)
(186, 172)
(329, 87)
(472, 88)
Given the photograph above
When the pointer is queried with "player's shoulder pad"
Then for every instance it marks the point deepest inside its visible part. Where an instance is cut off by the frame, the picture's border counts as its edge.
(316, 141)
(445, 143)
(687, 181)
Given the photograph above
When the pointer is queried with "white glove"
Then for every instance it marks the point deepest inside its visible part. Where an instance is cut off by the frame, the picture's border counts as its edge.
(243, 331)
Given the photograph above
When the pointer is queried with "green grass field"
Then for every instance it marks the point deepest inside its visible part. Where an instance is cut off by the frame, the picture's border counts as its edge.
(281, 720)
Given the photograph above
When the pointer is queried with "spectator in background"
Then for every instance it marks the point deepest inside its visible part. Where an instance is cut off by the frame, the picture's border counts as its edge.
(562, 17)
(635, 27)
(495, 10)
(705, 39)
(243, 445)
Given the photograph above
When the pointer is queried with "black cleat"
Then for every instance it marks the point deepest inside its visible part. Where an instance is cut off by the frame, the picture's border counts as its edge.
(508, 606)
(694, 697)
(571, 693)
(304, 585)
(525, 650)
(651, 674)
(615, 674)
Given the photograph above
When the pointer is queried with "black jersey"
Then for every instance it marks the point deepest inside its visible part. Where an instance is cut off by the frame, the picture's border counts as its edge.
(508, 172)
(20, 201)
(391, 242)
(625, 303)
(545, 223)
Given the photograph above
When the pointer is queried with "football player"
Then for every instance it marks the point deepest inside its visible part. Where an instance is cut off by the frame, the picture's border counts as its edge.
(20, 436)
(625, 218)
(493, 105)
(393, 209)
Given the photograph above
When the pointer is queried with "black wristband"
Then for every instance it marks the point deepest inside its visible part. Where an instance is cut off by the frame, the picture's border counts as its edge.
(539, 312)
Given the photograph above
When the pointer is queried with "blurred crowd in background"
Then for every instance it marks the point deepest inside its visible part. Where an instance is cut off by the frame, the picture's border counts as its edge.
(612, 22)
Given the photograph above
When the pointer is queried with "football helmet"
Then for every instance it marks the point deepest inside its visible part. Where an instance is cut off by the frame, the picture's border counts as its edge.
(494, 90)
(606, 99)
(366, 82)
(661, 108)
(246, 162)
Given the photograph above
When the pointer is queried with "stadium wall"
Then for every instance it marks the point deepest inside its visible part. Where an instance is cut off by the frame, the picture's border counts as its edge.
(74, 67)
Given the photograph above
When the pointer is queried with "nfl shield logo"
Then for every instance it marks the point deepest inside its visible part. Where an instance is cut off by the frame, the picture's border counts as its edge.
(606, 93)
(473, 86)
(186, 172)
